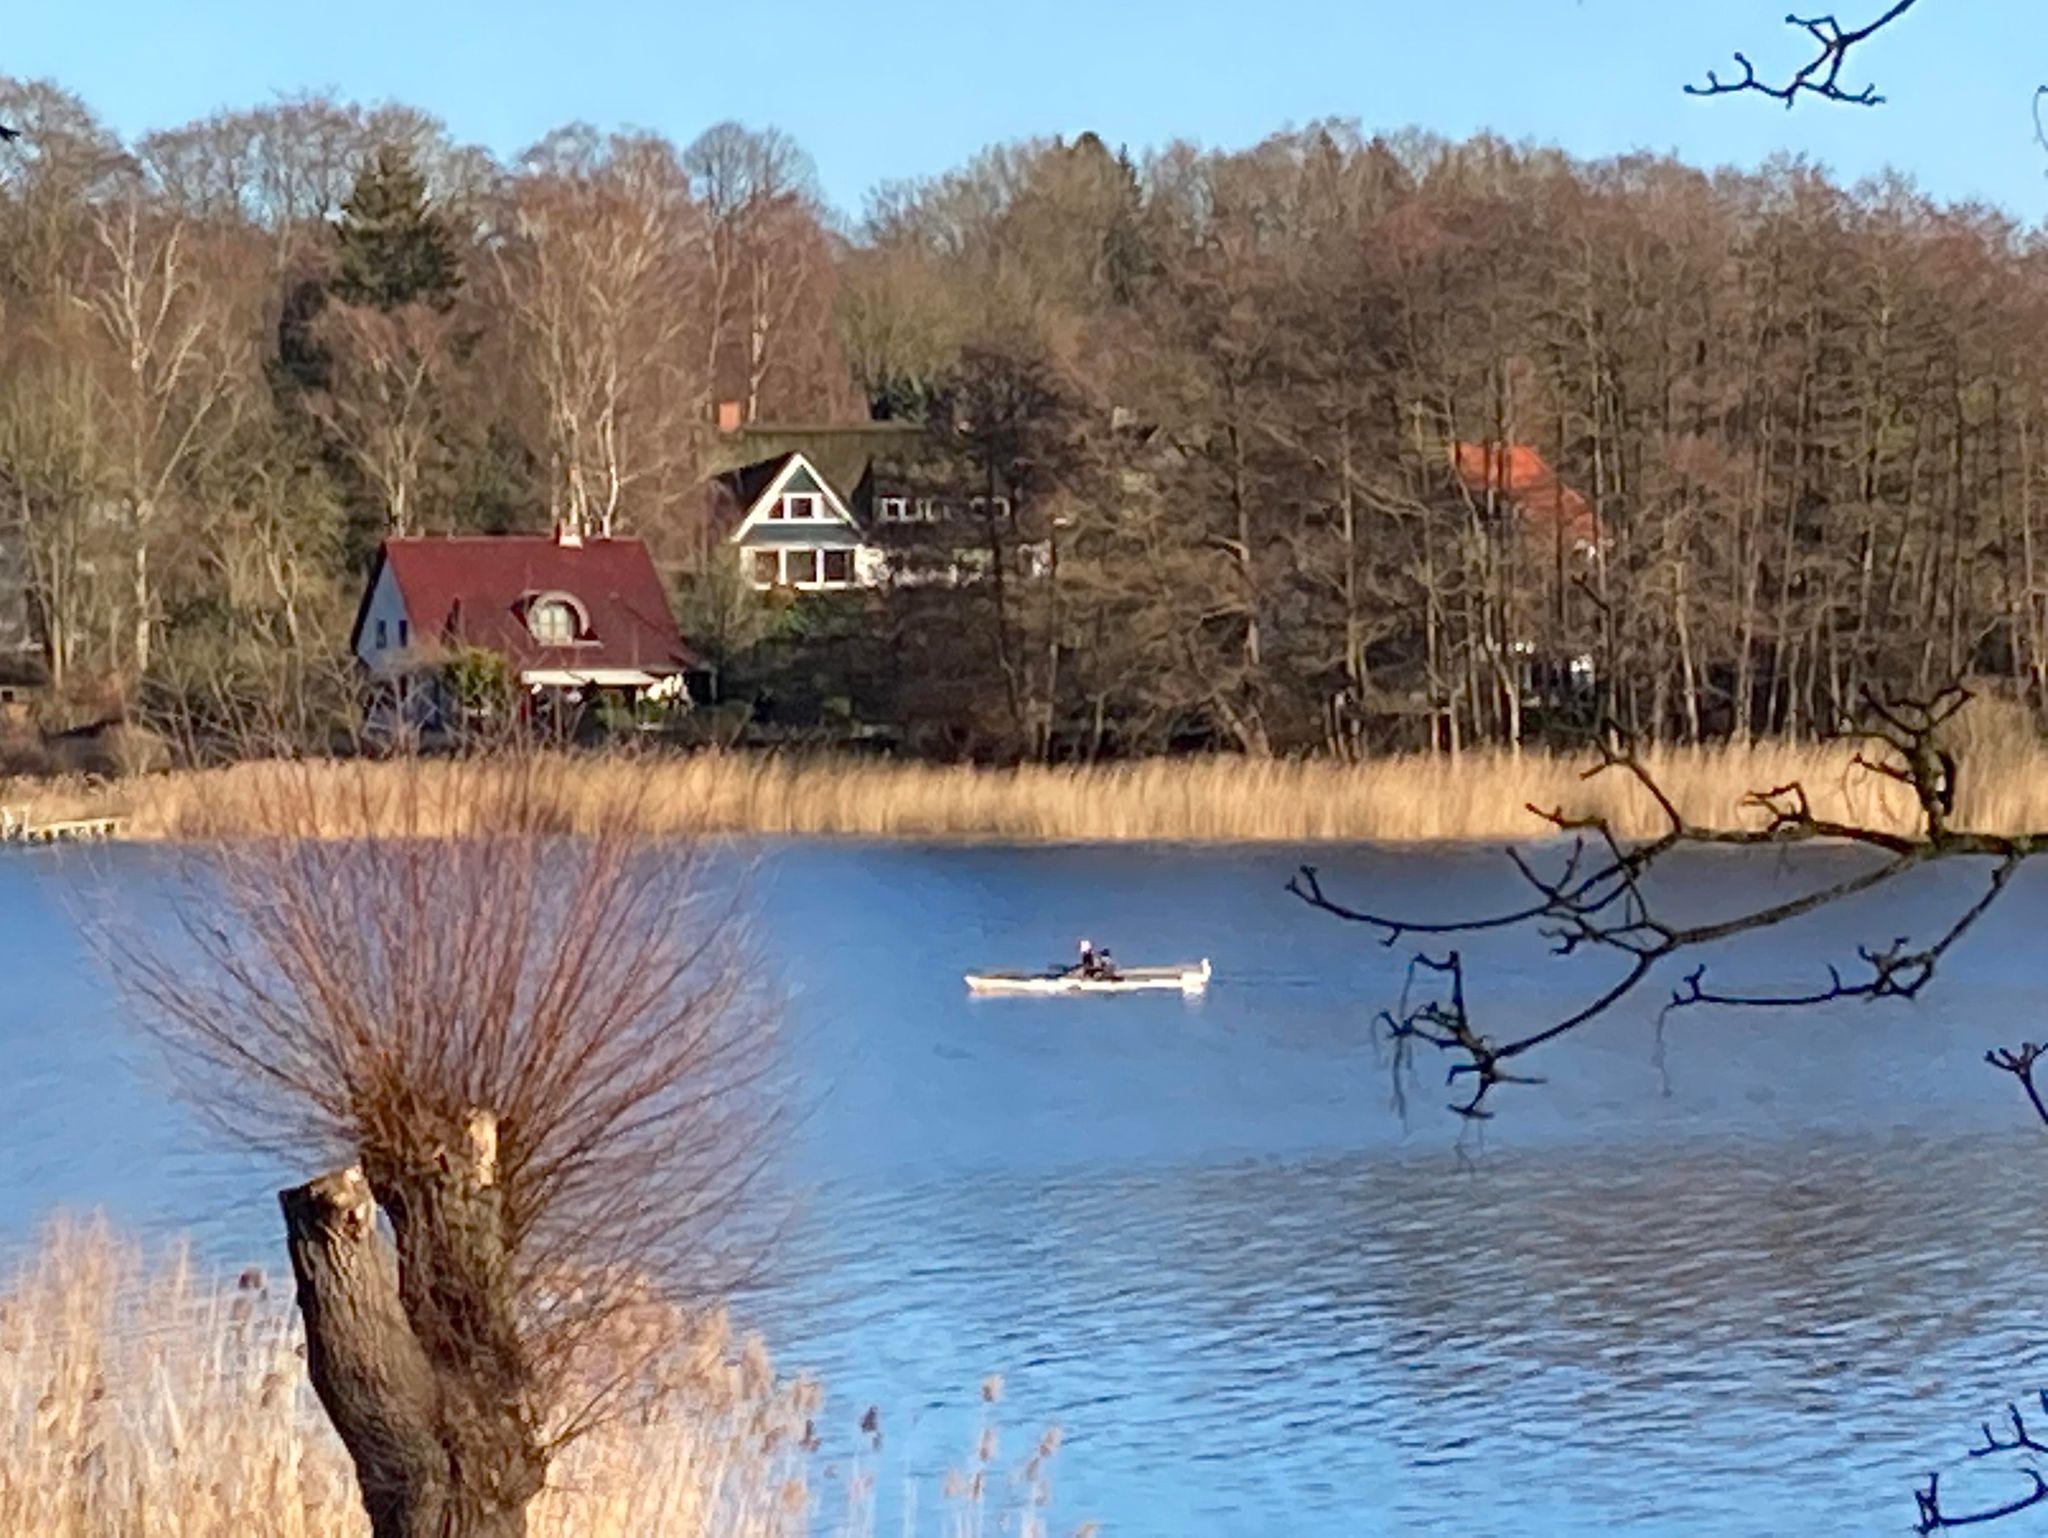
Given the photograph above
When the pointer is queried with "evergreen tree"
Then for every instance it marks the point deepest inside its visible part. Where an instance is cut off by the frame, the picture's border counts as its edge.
(393, 248)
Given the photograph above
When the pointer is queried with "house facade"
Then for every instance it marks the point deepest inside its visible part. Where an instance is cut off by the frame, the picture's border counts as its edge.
(572, 618)
(823, 509)
(796, 530)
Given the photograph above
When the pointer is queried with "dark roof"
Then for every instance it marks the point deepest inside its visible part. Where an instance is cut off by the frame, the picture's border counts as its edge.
(749, 481)
(473, 591)
(842, 454)
(826, 535)
(1518, 472)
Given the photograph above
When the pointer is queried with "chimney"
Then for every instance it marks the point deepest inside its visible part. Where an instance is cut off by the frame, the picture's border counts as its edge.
(728, 416)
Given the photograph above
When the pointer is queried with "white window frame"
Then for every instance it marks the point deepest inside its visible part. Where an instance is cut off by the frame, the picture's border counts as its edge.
(817, 566)
(930, 509)
(550, 604)
(893, 509)
(786, 506)
(820, 582)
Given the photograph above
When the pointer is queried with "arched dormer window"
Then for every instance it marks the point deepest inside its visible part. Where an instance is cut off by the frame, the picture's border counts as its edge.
(556, 619)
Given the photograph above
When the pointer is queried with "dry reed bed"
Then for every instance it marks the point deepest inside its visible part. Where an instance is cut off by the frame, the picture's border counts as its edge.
(140, 1400)
(1476, 796)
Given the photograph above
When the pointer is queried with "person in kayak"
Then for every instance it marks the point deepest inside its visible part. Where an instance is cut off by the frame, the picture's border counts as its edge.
(1094, 965)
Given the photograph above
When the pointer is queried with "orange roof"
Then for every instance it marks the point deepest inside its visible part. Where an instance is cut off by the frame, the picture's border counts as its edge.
(1519, 474)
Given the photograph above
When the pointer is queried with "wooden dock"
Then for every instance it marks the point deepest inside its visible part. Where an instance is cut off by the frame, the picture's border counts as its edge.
(17, 828)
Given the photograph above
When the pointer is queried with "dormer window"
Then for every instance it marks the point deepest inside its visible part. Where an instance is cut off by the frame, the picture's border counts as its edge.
(893, 509)
(556, 619)
(800, 504)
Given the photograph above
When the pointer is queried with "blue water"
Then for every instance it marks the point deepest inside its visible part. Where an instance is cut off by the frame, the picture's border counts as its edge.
(1749, 1274)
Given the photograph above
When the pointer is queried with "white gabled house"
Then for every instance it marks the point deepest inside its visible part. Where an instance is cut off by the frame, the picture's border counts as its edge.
(796, 532)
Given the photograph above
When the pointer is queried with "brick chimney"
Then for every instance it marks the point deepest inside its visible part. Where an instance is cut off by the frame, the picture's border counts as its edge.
(728, 416)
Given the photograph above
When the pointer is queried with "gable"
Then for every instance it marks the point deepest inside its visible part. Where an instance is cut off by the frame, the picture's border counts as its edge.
(796, 477)
(802, 478)
(383, 607)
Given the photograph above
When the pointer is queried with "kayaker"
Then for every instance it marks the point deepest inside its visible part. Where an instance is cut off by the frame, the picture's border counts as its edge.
(1093, 964)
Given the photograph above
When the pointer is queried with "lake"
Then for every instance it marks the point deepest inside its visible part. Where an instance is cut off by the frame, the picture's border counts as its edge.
(1749, 1274)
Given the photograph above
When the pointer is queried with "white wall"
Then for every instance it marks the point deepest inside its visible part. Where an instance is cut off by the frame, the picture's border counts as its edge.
(385, 605)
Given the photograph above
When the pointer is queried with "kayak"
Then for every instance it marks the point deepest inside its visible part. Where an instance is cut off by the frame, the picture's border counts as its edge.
(1189, 978)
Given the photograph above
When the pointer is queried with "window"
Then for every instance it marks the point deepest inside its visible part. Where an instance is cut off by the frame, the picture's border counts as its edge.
(839, 566)
(892, 509)
(767, 568)
(383, 634)
(552, 621)
(801, 567)
(800, 504)
(930, 509)
(404, 633)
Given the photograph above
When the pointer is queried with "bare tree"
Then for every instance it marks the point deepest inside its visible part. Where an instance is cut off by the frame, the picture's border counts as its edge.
(531, 1040)
(55, 478)
(595, 278)
(758, 193)
(380, 401)
(170, 377)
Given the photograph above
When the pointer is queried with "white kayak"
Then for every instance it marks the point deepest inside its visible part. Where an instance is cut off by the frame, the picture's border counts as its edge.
(1189, 978)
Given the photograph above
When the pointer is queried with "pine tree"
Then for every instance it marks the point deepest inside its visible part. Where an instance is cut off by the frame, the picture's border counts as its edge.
(393, 248)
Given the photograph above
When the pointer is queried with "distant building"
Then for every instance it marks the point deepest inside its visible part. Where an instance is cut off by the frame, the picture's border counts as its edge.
(572, 617)
(1557, 523)
(796, 530)
(819, 509)
(1517, 476)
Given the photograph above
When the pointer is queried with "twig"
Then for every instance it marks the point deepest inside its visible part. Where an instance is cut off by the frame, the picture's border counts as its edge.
(1822, 76)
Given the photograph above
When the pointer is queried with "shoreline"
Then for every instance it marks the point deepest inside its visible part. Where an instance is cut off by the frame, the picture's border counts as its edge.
(1414, 799)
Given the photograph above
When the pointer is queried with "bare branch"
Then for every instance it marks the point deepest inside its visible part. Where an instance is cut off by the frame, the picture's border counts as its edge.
(1597, 900)
(1822, 75)
(1933, 1519)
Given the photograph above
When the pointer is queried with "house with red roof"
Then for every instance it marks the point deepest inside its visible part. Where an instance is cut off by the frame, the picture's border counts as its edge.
(1557, 523)
(1518, 477)
(573, 617)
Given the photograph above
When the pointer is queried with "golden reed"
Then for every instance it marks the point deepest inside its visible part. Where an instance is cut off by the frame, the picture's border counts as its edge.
(1406, 799)
(1409, 798)
(142, 1399)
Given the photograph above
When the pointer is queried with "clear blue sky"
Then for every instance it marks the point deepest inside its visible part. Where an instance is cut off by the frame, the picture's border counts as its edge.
(879, 91)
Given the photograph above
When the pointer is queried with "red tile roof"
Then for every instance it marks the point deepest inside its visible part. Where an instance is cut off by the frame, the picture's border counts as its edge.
(473, 590)
(1520, 475)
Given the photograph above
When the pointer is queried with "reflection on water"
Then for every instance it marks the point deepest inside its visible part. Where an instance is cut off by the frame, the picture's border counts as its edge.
(1751, 1276)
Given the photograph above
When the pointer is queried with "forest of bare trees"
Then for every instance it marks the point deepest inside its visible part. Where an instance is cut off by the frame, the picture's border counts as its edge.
(1223, 390)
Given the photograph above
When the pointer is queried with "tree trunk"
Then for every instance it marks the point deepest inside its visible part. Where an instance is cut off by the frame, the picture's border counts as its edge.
(368, 1369)
(418, 1363)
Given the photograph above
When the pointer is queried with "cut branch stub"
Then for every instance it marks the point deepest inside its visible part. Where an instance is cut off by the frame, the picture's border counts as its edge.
(367, 1366)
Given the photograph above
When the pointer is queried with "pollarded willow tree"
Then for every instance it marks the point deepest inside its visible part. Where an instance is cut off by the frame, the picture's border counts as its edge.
(528, 1039)
(1602, 899)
